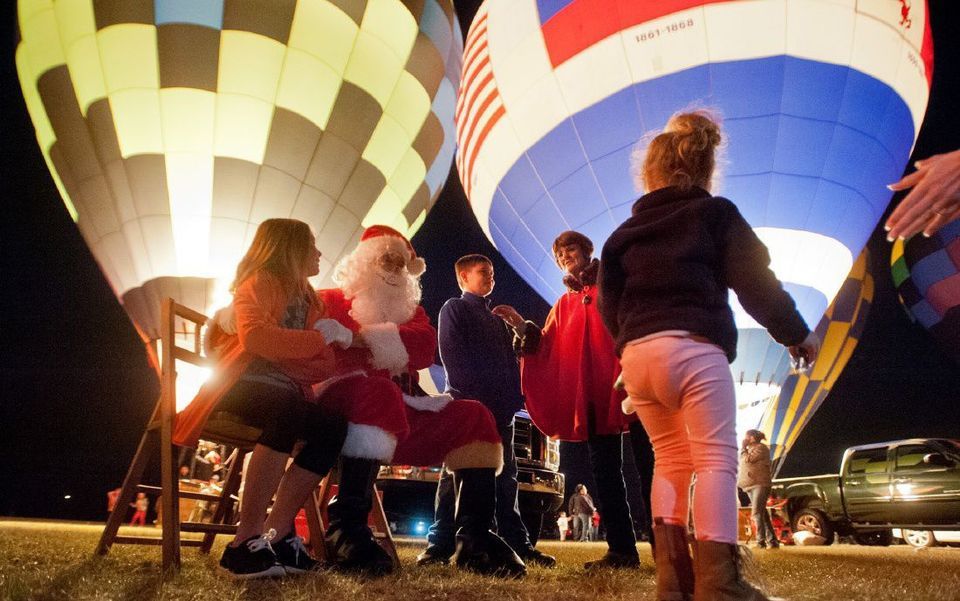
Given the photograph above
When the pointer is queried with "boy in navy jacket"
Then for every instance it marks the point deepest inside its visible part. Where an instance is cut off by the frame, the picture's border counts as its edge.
(476, 348)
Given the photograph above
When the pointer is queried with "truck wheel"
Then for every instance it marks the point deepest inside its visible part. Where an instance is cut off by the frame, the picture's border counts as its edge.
(877, 538)
(921, 539)
(813, 520)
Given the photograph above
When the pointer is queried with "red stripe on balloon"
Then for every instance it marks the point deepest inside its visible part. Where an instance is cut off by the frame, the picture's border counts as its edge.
(479, 143)
(484, 88)
(926, 49)
(583, 23)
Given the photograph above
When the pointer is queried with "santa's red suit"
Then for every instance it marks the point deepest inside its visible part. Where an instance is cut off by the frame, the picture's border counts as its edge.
(401, 425)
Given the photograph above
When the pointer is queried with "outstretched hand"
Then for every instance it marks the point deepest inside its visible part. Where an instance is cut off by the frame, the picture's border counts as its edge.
(934, 200)
(509, 315)
(805, 353)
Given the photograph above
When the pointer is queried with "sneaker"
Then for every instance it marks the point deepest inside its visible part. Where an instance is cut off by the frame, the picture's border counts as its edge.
(253, 558)
(537, 557)
(293, 556)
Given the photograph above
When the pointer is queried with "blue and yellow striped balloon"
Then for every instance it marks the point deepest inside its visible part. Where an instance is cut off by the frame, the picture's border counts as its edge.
(839, 330)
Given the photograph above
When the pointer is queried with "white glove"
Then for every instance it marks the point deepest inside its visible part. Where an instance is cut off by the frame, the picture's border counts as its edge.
(334, 332)
(226, 319)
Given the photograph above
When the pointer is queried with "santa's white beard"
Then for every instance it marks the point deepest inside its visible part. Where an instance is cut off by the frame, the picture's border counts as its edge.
(378, 297)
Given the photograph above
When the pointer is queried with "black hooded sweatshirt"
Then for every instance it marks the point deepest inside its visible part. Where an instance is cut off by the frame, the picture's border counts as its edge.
(669, 266)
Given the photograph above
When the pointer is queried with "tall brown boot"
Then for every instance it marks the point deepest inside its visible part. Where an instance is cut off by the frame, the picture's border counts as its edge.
(674, 568)
(719, 574)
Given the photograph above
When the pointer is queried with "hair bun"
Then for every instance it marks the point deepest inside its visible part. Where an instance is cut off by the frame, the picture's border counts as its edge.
(698, 129)
(684, 154)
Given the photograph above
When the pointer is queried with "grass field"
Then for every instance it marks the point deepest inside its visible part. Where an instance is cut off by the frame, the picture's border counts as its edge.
(54, 560)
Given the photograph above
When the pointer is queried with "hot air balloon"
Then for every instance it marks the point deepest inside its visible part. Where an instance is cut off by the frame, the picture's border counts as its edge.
(173, 128)
(926, 272)
(821, 101)
(803, 393)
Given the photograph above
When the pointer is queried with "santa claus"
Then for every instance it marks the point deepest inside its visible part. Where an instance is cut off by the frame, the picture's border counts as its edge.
(387, 337)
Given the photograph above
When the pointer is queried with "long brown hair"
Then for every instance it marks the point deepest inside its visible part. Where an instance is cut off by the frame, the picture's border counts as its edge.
(684, 155)
(280, 247)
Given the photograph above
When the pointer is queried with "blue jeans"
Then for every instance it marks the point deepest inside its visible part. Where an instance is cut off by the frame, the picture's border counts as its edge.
(760, 515)
(509, 525)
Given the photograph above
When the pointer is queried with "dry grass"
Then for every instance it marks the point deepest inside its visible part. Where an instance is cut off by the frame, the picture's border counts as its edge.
(54, 560)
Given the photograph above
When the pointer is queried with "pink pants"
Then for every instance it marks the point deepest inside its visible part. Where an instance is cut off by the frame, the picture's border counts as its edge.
(683, 393)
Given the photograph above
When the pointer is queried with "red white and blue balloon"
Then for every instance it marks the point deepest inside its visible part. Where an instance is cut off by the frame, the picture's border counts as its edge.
(821, 100)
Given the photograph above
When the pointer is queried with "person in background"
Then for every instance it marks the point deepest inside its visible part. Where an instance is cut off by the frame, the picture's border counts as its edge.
(755, 479)
(112, 497)
(934, 200)
(476, 349)
(582, 508)
(141, 504)
(664, 280)
(563, 524)
(267, 360)
(568, 371)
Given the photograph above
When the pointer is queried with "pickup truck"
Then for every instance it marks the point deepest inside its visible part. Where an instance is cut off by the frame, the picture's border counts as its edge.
(910, 484)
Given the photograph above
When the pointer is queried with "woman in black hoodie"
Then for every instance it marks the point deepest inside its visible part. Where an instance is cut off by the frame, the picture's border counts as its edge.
(663, 284)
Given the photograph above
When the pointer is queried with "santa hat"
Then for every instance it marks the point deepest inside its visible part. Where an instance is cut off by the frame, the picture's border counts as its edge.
(391, 238)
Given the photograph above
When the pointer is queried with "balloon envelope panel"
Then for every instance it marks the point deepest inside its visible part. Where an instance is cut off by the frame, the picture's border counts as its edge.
(174, 128)
(926, 272)
(821, 103)
(803, 393)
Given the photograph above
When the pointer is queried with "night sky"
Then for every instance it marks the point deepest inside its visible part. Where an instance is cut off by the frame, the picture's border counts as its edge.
(76, 391)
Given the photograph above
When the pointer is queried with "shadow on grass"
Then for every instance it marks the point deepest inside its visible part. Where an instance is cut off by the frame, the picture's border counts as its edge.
(65, 583)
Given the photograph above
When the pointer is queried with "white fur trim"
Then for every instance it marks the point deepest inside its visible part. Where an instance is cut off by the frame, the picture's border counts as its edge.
(387, 348)
(431, 402)
(384, 243)
(369, 442)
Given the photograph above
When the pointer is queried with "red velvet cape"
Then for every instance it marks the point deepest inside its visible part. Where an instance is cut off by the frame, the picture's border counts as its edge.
(571, 375)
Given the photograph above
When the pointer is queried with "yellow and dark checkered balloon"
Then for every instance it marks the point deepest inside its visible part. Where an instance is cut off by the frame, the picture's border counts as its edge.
(839, 331)
(174, 127)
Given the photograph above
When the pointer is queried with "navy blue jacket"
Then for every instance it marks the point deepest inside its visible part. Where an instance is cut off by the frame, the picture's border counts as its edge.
(476, 348)
(668, 267)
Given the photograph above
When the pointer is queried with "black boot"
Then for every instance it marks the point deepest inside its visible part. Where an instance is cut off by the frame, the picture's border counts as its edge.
(350, 540)
(478, 548)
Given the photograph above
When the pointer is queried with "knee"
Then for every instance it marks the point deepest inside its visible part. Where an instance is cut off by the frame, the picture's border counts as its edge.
(673, 455)
(382, 390)
(715, 458)
(472, 414)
